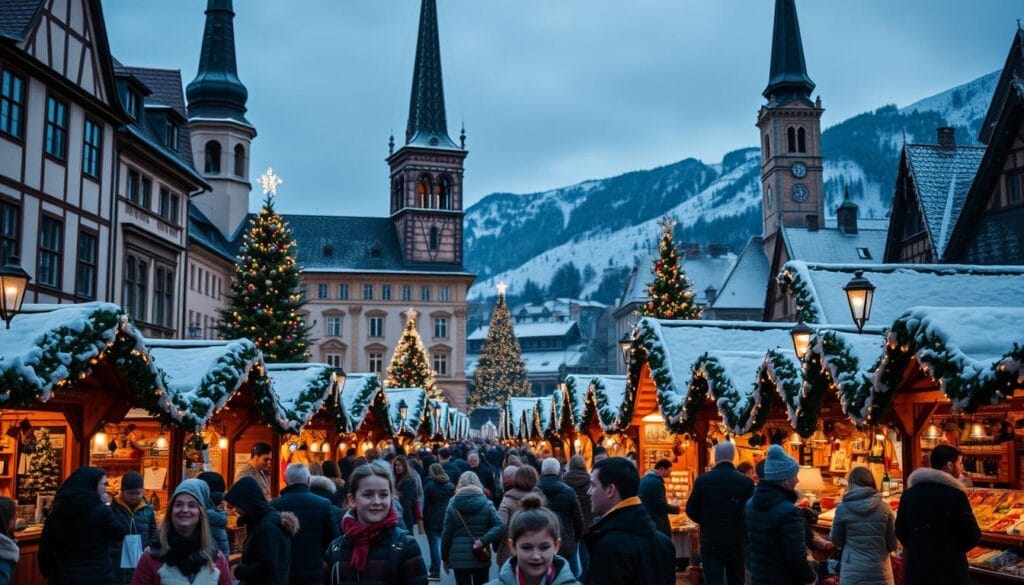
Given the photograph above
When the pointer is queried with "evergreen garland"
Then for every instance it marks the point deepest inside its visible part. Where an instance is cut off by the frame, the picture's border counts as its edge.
(500, 372)
(670, 295)
(350, 418)
(741, 413)
(410, 365)
(790, 283)
(679, 414)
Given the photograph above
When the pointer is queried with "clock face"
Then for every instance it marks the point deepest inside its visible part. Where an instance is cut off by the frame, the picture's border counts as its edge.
(799, 170)
(800, 193)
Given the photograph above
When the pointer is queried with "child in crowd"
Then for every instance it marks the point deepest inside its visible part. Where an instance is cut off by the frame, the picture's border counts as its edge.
(534, 539)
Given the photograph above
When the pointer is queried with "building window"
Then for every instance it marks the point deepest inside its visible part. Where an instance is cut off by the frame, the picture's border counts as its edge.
(12, 104)
(444, 294)
(147, 192)
(385, 292)
(801, 140)
(133, 186)
(163, 297)
(424, 293)
(171, 139)
(207, 283)
(441, 327)
(56, 128)
(334, 360)
(134, 293)
(10, 228)
(445, 193)
(441, 364)
(343, 292)
(1014, 188)
(211, 159)
(91, 148)
(170, 203)
(864, 253)
(791, 139)
(376, 326)
(302, 292)
(50, 251)
(423, 190)
(85, 272)
(321, 290)
(376, 362)
(240, 161)
(132, 104)
(434, 238)
(367, 292)
(767, 148)
(334, 326)
(406, 292)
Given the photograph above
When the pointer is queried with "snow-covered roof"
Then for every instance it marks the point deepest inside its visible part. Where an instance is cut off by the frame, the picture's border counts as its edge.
(731, 378)
(301, 391)
(847, 363)
(523, 416)
(702, 271)
(540, 363)
(527, 330)
(835, 246)
(942, 177)
(355, 399)
(577, 388)
(459, 423)
(610, 398)
(819, 288)
(558, 408)
(745, 285)
(439, 418)
(415, 400)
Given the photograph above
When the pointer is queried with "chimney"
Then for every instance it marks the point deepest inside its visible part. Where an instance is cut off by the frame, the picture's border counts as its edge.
(812, 222)
(710, 293)
(947, 137)
(846, 215)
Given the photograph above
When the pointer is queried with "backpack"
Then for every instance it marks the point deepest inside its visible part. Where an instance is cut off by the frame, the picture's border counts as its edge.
(397, 542)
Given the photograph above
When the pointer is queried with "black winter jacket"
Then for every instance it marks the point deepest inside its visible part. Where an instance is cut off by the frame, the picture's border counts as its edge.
(407, 498)
(317, 528)
(717, 502)
(652, 494)
(75, 545)
(936, 525)
(436, 496)
(626, 549)
(561, 499)
(775, 535)
(483, 522)
(579, 481)
(141, 521)
(486, 475)
(394, 559)
(266, 555)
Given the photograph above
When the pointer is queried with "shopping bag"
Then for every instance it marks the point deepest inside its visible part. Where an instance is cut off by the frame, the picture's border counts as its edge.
(131, 550)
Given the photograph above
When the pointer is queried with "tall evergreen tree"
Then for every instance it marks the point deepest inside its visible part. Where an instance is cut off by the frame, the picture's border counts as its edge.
(264, 301)
(670, 295)
(44, 471)
(410, 366)
(500, 372)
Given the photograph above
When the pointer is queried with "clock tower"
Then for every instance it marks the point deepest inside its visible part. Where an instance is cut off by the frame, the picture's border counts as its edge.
(792, 184)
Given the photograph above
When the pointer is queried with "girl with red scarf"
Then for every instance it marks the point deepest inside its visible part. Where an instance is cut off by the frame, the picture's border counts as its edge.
(372, 549)
(534, 540)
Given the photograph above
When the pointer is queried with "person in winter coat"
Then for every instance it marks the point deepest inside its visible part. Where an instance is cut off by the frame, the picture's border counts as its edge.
(406, 486)
(332, 472)
(865, 530)
(471, 524)
(9, 552)
(266, 554)
(523, 483)
(561, 499)
(317, 526)
(133, 511)
(326, 489)
(215, 515)
(775, 526)
(258, 466)
(533, 536)
(717, 503)
(935, 522)
(625, 546)
(485, 474)
(373, 549)
(437, 493)
(577, 477)
(652, 494)
(184, 552)
(74, 548)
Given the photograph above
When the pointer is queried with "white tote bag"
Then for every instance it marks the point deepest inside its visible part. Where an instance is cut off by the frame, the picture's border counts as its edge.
(131, 548)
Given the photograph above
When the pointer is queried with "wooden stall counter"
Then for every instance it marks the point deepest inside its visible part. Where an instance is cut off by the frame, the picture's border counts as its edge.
(27, 570)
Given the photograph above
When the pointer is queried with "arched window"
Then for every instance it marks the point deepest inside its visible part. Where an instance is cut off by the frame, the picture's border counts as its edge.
(767, 148)
(791, 139)
(240, 162)
(446, 192)
(423, 189)
(435, 238)
(398, 193)
(212, 158)
(801, 140)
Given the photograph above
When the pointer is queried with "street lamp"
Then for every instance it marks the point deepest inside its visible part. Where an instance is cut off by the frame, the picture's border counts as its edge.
(13, 281)
(403, 410)
(859, 294)
(801, 335)
(625, 345)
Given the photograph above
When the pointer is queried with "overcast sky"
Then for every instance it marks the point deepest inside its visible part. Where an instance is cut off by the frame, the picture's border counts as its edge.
(552, 92)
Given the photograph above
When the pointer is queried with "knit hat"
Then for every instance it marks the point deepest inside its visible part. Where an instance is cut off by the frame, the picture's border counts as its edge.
(195, 488)
(131, 481)
(779, 466)
(216, 483)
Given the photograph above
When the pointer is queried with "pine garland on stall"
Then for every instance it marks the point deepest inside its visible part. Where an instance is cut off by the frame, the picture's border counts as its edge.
(500, 373)
(670, 295)
(410, 366)
(44, 471)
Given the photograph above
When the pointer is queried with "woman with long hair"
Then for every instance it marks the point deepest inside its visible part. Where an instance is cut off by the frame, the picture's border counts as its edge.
(9, 553)
(471, 526)
(864, 527)
(405, 487)
(185, 551)
(438, 491)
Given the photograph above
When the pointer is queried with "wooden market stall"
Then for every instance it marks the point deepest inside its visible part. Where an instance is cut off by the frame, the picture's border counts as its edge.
(363, 420)
(407, 413)
(306, 414)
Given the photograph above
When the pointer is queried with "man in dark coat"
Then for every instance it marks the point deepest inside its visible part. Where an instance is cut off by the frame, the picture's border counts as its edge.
(485, 474)
(317, 526)
(775, 526)
(453, 467)
(134, 512)
(347, 463)
(716, 503)
(562, 500)
(652, 494)
(267, 553)
(935, 522)
(624, 545)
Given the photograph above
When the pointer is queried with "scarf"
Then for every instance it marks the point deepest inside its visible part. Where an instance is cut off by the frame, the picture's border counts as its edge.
(184, 552)
(547, 580)
(361, 534)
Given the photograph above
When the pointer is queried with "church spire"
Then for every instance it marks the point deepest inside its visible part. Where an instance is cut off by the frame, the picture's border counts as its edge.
(788, 77)
(427, 124)
(216, 92)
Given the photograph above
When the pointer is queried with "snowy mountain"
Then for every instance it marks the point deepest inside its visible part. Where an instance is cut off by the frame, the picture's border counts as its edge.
(607, 223)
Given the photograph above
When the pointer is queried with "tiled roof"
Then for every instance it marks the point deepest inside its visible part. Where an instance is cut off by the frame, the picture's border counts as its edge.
(833, 246)
(942, 178)
(17, 16)
(745, 286)
(527, 330)
(703, 271)
(202, 231)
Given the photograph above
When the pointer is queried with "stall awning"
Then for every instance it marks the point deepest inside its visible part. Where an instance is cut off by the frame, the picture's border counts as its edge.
(577, 388)
(844, 362)
(440, 427)
(415, 400)
(614, 412)
(357, 396)
(301, 391)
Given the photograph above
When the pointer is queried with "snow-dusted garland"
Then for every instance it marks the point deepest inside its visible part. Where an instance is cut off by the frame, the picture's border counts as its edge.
(292, 416)
(740, 413)
(350, 419)
(613, 417)
(577, 403)
(679, 417)
(841, 371)
(791, 283)
(780, 373)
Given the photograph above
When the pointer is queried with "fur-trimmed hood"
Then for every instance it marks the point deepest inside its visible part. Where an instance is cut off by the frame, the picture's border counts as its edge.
(9, 549)
(289, 523)
(929, 475)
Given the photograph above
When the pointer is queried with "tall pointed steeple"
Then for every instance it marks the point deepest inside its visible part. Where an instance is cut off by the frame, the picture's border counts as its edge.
(217, 92)
(427, 124)
(788, 77)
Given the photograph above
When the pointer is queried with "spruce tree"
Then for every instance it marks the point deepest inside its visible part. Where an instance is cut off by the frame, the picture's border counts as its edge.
(44, 472)
(670, 295)
(500, 372)
(410, 366)
(264, 301)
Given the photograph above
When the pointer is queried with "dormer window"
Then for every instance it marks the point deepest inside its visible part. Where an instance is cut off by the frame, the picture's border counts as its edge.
(171, 139)
(133, 104)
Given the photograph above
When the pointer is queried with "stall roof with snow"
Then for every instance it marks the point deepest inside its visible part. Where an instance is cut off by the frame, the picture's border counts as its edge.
(301, 391)
(577, 387)
(355, 400)
(609, 394)
(415, 400)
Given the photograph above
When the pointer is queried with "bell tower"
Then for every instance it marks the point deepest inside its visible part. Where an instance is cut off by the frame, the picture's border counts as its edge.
(426, 172)
(792, 182)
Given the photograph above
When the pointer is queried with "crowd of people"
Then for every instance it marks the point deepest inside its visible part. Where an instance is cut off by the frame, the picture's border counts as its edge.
(547, 521)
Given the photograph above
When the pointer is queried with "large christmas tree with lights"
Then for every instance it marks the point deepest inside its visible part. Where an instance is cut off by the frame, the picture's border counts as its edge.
(670, 295)
(500, 372)
(264, 301)
(410, 367)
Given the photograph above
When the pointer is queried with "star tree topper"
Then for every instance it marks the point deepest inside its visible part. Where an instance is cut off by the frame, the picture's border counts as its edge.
(269, 181)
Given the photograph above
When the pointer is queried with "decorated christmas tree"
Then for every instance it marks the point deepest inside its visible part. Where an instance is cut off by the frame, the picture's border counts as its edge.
(500, 372)
(410, 367)
(264, 301)
(670, 295)
(44, 472)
